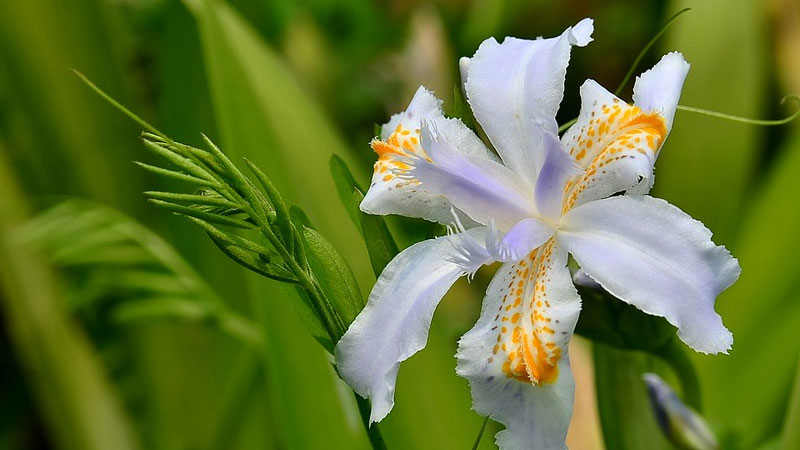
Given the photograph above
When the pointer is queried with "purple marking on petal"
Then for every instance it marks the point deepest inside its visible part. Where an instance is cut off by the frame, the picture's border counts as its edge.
(558, 167)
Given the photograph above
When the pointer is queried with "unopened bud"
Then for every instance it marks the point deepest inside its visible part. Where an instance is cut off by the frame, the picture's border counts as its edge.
(681, 424)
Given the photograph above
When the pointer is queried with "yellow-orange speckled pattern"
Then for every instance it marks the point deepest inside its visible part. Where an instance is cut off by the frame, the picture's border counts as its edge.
(615, 131)
(530, 342)
(402, 142)
(528, 345)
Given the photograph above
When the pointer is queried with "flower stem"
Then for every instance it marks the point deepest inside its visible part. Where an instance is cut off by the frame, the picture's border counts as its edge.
(373, 432)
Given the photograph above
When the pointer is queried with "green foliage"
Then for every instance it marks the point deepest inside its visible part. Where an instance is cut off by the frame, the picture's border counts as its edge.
(624, 407)
(236, 202)
(128, 272)
(57, 356)
(334, 275)
(791, 426)
(768, 236)
(374, 231)
(705, 154)
(287, 85)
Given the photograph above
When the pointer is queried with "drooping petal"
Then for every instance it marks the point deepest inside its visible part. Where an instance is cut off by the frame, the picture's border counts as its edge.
(654, 256)
(659, 89)
(617, 144)
(400, 138)
(482, 188)
(515, 89)
(394, 325)
(515, 357)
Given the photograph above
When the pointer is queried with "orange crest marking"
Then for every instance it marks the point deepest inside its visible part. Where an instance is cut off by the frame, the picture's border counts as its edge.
(402, 142)
(525, 338)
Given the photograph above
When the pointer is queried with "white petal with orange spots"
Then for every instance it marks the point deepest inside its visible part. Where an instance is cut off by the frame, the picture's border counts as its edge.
(615, 144)
(392, 193)
(515, 357)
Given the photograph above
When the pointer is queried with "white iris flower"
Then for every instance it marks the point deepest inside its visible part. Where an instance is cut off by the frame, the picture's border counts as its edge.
(542, 198)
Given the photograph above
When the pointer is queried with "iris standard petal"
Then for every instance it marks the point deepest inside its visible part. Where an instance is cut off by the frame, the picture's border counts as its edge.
(400, 138)
(515, 357)
(659, 89)
(654, 256)
(394, 325)
(515, 88)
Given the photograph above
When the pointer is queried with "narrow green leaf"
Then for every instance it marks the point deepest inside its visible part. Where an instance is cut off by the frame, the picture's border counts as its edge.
(193, 199)
(299, 217)
(253, 262)
(193, 154)
(233, 239)
(176, 175)
(200, 214)
(345, 184)
(380, 244)
(172, 157)
(334, 275)
(265, 115)
(282, 217)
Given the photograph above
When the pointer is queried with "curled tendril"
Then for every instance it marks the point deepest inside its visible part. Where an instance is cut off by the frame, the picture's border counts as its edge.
(731, 117)
(763, 122)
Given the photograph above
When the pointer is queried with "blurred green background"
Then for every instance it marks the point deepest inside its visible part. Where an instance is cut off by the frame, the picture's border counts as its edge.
(102, 343)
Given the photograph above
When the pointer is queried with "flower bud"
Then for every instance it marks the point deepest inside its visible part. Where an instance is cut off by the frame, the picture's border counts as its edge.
(681, 424)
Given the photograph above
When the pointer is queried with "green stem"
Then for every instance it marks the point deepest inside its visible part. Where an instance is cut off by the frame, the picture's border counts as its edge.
(673, 353)
(334, 325)
(373, 432)
(480, 433)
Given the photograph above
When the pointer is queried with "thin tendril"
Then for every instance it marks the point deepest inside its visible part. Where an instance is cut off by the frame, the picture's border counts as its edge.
(119, 107)
(636, 62)
(646, 48)
(720, 115)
